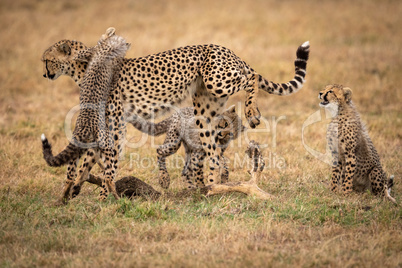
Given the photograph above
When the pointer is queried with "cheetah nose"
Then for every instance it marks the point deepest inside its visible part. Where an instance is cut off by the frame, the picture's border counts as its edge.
(50, 76)
(319, 95)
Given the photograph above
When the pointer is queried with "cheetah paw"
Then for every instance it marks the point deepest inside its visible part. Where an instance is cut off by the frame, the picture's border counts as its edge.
(164, 180)
(253, 116)
(75, 191)
(60, 202)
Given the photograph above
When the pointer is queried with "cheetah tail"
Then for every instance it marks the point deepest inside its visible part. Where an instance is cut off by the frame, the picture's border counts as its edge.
(297, 82)
(387, 189)
(149, 127)
(71, 152)
(390, 183)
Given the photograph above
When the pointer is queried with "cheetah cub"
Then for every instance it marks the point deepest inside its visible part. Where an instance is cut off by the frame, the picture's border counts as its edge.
(180, 128)
(356, 164)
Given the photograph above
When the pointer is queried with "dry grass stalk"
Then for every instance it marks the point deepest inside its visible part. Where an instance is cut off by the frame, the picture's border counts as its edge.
(246, 187)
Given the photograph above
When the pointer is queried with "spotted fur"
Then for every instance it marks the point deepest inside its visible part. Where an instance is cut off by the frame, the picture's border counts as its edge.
(96, 126)
(150, 85)
(180, 129)
(356, 163)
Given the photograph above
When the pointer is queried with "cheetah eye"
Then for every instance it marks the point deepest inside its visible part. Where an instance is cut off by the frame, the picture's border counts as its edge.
(226, 124)
(330, 91)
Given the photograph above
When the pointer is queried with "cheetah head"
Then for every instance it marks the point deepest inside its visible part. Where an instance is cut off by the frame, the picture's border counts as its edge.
(229, 125)
(61, 58)
(335, 96)
(68, 57)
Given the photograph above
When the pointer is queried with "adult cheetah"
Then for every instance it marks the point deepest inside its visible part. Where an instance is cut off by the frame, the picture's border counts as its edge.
(150, 85)
(356, 164)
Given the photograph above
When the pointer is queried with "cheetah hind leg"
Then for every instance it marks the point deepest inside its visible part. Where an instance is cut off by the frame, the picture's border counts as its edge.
(90, 160)
(252, 112)
(390, 183)
(224, 169)
(71, 174)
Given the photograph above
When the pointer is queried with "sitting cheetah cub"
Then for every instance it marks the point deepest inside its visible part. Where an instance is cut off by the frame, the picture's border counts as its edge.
(356, 164)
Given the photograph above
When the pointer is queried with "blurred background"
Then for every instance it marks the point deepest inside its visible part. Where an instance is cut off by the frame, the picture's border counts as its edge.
(354, 43)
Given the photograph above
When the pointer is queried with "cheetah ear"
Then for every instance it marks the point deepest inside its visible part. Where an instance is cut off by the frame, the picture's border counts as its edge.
(231, 109)
(347, 92)
(65, 48)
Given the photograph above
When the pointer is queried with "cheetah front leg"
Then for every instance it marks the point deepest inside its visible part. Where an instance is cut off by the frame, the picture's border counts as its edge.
(187, 173)
(335, 178)
(196, 173)
(225, 168)
(337, 168)
(333, 147)
(170, 146)
(206, 107)
(109, 174)
(349, 167)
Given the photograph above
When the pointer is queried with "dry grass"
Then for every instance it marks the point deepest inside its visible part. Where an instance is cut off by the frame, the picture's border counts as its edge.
(356, 43)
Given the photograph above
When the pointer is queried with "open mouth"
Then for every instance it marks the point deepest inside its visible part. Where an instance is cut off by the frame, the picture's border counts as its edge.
(324, 103)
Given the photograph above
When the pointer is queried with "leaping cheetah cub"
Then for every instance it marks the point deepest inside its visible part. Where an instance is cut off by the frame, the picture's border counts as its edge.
(97, 124)
(356, 164)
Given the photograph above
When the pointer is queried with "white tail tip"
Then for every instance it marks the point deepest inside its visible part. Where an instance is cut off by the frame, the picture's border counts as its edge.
(43, 137)
(306, 44)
